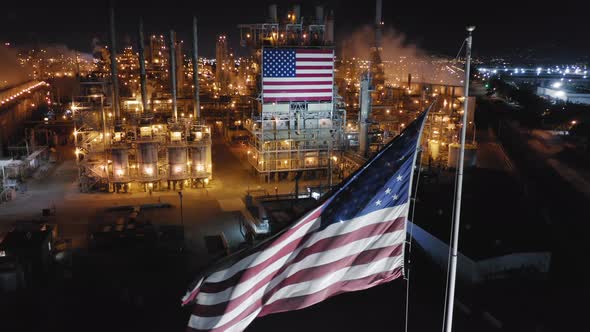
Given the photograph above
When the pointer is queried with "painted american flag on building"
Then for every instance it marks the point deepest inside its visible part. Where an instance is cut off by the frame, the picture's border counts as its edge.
(354, 240)
(297, 75)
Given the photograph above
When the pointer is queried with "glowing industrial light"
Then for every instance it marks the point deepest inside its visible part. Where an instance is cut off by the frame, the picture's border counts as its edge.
(560, 93)
(200, 167)
(556, 85)
(175, 136)
(574, 122)
(77, 152)
(120, 172)
(149, 170)
(178, 169)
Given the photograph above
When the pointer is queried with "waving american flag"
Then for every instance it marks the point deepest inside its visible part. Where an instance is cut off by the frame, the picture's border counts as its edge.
(297, 75)
(354, 240)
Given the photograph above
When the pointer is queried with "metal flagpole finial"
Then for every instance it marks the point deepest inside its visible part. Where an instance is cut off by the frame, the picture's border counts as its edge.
(470, 28)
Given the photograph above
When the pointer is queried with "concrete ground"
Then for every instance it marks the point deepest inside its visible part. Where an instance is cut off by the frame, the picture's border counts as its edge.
(206, 211)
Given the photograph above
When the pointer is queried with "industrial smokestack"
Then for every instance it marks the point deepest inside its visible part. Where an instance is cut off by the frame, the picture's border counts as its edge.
(378, 12)
(378, 23)
(409, 80)
(329, 35)
(297, 13)
(114, 76)
(272, 13)
(173, 73)
(197, 108)
(142, 75)
(319, 14)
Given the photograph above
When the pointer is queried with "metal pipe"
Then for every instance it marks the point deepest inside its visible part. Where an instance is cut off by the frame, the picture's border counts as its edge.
(459, 190)
(197, 108)
(142, 68)
(114, 76)
(365, 110)
(319, 14)
(173, 73)
(378, 23)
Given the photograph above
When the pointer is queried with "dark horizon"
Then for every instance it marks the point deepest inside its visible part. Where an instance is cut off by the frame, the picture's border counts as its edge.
(504, 28)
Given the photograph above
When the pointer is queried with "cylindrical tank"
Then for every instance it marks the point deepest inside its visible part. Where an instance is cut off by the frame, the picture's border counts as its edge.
(470, 155)
(198, 162)
(434, 148)
(147, 161)
(177, 163)
(120, 158)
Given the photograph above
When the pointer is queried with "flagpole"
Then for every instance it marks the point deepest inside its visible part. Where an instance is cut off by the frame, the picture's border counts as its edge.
(459, 187)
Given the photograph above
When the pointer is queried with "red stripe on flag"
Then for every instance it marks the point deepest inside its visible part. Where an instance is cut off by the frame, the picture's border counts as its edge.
(278, 99)
(297, 83)
(315, 51)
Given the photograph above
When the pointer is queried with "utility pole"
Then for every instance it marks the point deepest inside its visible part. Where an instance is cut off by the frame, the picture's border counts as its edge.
(197, 109)
(455, 239)
(142, 75)
(173, 74)
(181, 217)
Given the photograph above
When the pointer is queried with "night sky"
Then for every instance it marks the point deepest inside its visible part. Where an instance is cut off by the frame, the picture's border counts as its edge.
(557, 32)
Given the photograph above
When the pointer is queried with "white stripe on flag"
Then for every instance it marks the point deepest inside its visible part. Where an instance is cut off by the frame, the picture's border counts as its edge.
(328, 62)
(296, 79)
(315, 55)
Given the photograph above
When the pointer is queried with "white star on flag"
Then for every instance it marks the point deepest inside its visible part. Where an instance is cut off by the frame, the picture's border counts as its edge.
(399, 177)
(394, 197)
(378, 202)
(388, 191)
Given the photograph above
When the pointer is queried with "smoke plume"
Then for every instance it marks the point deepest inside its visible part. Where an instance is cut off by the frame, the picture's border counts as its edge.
(400, 58)
(11, 71)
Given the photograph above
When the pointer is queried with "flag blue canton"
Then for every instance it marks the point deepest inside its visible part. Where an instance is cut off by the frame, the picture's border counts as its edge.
(279, 63)
(383, 182)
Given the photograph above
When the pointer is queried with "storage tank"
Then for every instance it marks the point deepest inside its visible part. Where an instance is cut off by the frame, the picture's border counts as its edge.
(177, 163)
(147, 161)
(470, 155)
(198, 162)
(120, 158)
(200, 152)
